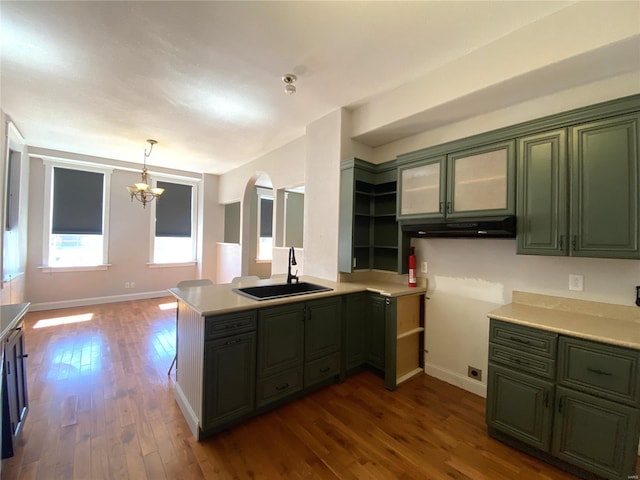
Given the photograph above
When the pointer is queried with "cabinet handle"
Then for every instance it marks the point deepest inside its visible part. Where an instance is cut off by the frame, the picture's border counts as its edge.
(325, 370)
(282, 387)
(598, 371)
(231, 342)
(440, 208)
(574, 242)
(520, 361)
(520, 340)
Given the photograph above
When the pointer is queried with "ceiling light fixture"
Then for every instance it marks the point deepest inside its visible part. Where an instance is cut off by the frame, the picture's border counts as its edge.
(289, 80)
(142, 191)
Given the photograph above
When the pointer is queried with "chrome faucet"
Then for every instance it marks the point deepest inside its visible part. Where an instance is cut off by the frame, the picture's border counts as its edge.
(292, 261)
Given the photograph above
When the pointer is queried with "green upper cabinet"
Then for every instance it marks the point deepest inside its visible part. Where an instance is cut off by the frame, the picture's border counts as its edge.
(422, 188)
(472, 182)
(369, 236)
(604, 188)
(578, 190)
(542, 194)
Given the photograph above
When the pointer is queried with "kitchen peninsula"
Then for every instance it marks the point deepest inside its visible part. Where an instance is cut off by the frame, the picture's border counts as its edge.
(238, 357)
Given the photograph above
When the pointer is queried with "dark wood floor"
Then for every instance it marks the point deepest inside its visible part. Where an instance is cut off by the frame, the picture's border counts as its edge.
(102, 407)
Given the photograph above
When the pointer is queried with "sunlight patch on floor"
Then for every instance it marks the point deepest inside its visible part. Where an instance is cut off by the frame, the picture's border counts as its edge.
(52, 322)
(168, 306)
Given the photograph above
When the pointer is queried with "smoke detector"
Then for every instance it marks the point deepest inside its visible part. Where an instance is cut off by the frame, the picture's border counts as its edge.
(289, 80)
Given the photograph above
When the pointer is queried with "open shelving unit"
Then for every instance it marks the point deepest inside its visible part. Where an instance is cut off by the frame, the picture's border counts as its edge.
(370, 237)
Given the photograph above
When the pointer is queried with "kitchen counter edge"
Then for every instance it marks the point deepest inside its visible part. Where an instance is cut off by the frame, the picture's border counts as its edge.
(614, 331)
(220, 298)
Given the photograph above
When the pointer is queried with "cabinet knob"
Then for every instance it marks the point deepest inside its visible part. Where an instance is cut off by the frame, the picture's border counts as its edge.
(387, 301)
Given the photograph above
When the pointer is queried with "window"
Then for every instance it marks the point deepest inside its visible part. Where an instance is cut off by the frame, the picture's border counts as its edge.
(265, 224)
(77, 202)
(174, 232)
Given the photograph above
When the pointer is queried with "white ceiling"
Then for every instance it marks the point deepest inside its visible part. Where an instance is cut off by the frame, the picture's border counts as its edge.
(204, 78)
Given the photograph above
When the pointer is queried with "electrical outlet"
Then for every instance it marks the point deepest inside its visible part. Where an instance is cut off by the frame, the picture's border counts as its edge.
(475, 373)
(126, 285)
(576, 282)
(424, 267)
(132, 284)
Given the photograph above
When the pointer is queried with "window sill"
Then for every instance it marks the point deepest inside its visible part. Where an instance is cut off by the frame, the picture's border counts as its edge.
(262, 260)
(11, 276)
(89, 268)
(171, 265)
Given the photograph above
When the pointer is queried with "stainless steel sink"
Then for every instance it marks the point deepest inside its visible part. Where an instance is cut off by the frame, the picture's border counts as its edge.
(280, 290)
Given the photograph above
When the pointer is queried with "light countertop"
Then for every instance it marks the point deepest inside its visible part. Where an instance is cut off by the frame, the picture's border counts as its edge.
(601, 322)
(10, 315)
(220, 298)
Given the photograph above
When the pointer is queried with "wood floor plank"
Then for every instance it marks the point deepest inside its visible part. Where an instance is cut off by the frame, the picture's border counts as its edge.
(102, 407)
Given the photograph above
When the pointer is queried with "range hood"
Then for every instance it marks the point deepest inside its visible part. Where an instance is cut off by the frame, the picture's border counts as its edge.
(481, 227)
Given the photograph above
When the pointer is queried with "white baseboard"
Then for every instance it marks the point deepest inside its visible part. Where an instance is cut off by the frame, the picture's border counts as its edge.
(189, 415)
(464, 382)
(83, 302)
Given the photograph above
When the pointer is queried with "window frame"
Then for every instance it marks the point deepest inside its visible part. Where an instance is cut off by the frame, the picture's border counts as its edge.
(49, 165)
(194, 221)
(14, 142)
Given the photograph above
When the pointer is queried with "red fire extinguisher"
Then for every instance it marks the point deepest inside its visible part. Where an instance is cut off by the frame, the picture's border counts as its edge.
(412, 267)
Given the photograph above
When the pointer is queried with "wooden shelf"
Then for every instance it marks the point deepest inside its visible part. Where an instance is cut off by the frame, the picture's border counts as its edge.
(410, 332)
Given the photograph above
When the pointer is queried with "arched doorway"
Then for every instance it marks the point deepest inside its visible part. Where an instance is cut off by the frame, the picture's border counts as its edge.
(257, 226)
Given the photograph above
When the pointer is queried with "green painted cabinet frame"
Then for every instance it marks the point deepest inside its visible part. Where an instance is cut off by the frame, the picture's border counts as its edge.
(595, 434)
(229, 381)
(446, 206)
(578, 190)
(520, 405)
(585, 415)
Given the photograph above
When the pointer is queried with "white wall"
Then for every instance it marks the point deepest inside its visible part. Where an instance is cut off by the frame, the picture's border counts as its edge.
(129, 247)
(322, 195)
(579, 29)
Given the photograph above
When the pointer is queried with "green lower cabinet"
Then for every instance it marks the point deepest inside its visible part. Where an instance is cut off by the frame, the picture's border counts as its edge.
(322, 340)
(280, 338)
(322, 328)
(520, 405)
(596, 434)
(229, 379)
(354, 317)
(575, 401)
(375, 327)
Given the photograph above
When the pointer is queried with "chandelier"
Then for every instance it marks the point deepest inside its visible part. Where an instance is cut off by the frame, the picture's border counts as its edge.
(142, 191)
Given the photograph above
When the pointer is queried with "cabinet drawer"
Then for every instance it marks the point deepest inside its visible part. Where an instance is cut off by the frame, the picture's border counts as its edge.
(605, 370)
(523, 339)
(278, 386)
(523, 362)
(321, 369)
(230, 324)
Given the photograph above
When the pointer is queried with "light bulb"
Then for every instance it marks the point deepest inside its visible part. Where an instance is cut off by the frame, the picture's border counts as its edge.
(290, 89)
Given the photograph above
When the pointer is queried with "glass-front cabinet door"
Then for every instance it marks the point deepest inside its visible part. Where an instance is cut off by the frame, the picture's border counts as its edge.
(422, 191)
(481, 181)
